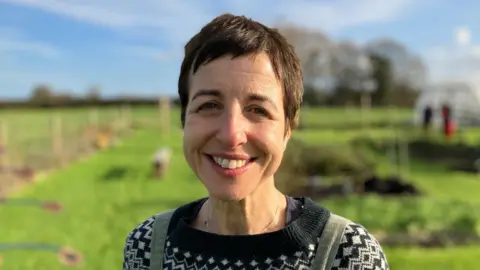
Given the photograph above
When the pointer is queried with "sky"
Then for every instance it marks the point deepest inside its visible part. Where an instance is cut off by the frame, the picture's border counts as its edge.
(135, 47)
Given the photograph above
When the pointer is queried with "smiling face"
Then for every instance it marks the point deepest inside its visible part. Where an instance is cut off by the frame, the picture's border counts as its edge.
(234, 133)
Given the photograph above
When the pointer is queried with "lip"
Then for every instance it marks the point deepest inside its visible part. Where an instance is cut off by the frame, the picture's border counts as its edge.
(231, 156)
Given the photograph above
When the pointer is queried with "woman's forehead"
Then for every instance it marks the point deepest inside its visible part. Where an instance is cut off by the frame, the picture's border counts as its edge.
(246, 74)
(248, 65)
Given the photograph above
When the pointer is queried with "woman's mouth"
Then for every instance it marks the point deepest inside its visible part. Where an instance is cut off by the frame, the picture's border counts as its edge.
(230, 167)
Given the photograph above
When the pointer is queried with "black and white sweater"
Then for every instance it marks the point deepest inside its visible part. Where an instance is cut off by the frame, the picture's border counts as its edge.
(293, 247)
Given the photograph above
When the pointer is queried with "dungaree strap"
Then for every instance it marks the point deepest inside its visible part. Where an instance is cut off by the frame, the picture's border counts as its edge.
(160, 227)
(329, 242)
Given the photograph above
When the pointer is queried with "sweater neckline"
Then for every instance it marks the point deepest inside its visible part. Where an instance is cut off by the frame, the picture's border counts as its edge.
(299, 235)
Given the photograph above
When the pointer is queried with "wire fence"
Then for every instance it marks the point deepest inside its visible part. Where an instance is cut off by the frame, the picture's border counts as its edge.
(41, 140)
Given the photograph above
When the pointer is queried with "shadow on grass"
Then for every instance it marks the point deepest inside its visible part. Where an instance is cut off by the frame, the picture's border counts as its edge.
(116, 173)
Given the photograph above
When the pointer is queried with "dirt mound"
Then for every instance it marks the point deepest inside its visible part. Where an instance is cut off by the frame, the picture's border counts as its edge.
(302, 160)
(457, 157)
(389, 186)
(12, 177)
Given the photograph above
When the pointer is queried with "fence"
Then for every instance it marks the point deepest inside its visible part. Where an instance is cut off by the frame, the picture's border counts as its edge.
(40, 140)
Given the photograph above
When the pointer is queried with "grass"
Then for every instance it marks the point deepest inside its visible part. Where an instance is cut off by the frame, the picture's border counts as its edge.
(105, 196)
(98, 212)
(439, 259)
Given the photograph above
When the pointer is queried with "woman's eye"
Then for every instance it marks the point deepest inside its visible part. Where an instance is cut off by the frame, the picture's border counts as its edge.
(209, 105)
(258, 110)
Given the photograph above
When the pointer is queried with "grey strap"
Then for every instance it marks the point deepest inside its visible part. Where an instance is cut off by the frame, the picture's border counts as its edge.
(329, 242)
(160, 227)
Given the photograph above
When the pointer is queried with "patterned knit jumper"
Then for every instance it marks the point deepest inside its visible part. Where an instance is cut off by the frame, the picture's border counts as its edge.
(293, 247)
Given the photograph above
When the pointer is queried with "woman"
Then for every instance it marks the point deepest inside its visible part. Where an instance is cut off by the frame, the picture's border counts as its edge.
(240, 89)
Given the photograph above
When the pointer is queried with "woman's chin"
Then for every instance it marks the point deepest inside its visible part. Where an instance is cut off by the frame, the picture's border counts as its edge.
(227, 193)
(228, 188)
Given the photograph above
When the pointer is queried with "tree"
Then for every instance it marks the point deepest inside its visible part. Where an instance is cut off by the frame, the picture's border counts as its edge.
(42, 95)
(352, 71)
(62, 98)
(313, 97)
(408, 69)
(341, 71)
(312, 47)
(93, 94)
(382, 75)
(314, 51)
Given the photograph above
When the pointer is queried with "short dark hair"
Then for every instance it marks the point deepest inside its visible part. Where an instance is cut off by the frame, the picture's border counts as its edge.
(233, 35)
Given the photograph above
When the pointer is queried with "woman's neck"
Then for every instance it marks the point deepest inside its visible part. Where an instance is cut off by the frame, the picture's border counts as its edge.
(260, 212)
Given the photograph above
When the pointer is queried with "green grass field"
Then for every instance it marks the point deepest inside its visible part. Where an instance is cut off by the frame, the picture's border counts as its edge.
(105, 196)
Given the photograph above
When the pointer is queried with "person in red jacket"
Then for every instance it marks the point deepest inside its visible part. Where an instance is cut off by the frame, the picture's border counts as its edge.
(448, 124)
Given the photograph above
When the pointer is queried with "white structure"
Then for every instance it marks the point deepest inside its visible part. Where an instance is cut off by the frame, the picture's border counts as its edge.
(463, 97)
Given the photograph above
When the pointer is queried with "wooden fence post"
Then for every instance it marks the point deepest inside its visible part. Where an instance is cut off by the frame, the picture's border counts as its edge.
(126, 115)
(164, 105)
(57, 139)
(93, 117)
(392, 148)
(365, 105)
(4, 162)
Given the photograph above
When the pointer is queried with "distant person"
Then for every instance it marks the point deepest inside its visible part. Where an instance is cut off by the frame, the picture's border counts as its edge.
(427, 118)
(448, 123)
(161, 161)
(240, 89)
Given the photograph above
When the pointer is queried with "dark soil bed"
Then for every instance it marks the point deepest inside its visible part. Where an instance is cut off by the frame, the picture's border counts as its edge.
(389, 186)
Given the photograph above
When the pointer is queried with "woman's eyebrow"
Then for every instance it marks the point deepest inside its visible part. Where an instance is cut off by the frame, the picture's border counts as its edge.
(207, 92)
(262, 98)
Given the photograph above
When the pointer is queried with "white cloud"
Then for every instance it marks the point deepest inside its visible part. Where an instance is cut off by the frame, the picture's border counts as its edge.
(35, 48)
(168, 18)
(155, 13)
(13, 41)
(332, 16)
(171, 23)
(176, 21)
(14, 75)
(17, 79)
(150, 52)
(458, 60)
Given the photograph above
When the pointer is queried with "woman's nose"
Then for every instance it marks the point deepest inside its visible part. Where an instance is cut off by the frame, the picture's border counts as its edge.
(232, 129)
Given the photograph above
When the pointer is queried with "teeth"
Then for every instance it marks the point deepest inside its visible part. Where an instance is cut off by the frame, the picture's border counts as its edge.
(230, 164)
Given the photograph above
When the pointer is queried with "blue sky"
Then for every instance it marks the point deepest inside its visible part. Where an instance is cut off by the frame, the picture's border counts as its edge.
(127, 46)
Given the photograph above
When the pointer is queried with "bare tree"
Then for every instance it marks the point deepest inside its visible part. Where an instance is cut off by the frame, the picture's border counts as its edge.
(351, 65)
(340, 71)
(408, 68)
(42, 94)
(93, 94)
(314, 50)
